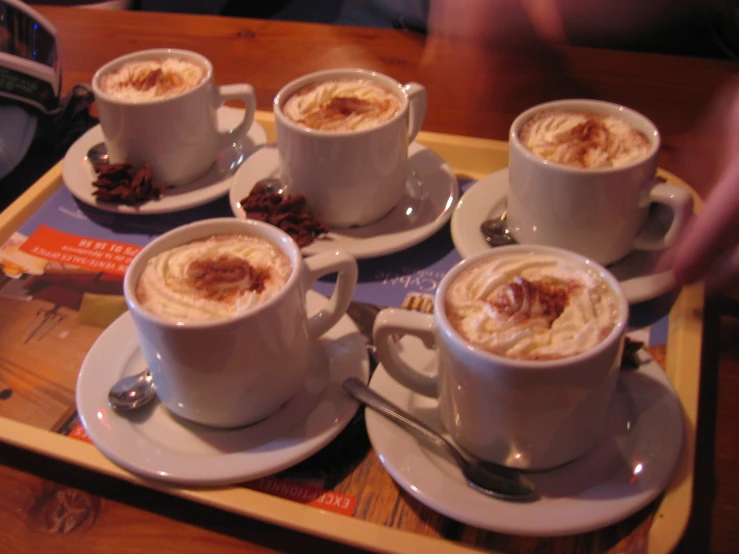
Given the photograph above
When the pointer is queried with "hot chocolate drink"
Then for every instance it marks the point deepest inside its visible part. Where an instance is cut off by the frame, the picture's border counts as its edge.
(342, 105)
(141, 81)
(212, 279)
(532, 307)
(583, 139)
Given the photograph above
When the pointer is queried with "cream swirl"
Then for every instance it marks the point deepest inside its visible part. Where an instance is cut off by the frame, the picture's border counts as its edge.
(342, 105)
(582, 139)
(531, 307)
(152, 79)
(211, 279)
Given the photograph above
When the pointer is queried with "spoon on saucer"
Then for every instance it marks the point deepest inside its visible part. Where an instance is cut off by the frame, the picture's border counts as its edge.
(273, 184)
(98, 154)
(495, 230)
(490, 479)
(132, 392)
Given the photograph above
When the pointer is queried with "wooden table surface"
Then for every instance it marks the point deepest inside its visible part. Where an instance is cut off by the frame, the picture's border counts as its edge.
(463, 100)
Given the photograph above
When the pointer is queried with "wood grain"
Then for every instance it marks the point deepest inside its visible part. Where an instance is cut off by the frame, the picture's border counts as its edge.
(670, 90)
(50, 506)
(725, 485)
(470, 92)
(42, 386)
(55, 507)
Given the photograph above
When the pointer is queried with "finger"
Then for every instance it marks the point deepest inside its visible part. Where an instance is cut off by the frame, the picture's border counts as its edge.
(714, 230)
(710, 147)
(666, 261)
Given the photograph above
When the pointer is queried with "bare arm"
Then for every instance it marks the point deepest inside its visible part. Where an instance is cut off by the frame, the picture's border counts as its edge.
(501, 39)
(709, 249)
(583, 22)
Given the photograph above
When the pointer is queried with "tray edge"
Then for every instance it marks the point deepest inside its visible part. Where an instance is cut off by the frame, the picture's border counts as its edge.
(470, 157)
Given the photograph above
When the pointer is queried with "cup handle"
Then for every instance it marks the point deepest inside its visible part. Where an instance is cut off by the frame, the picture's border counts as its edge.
(680, 202)
(246, 94)
(322, 264)
(392, 322)
(417, 102)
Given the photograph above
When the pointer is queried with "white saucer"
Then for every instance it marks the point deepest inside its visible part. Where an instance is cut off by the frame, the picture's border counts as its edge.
(431, 193)
(153, 443)
(78, 173)
(630, 466)
(486, 199)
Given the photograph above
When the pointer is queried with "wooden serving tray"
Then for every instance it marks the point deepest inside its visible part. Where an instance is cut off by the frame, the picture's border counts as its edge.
(658, 528)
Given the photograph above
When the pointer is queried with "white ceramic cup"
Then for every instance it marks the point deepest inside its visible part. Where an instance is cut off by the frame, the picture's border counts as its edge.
(239, 370)
(528, 414)
(349, 178)
(600, 213)
(177, 136)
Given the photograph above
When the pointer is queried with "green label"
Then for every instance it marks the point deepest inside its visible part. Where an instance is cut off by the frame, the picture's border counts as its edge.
(30, 88)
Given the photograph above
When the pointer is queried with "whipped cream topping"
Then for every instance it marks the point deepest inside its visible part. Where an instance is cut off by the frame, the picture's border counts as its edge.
(531, 307)
(152, 79)
(582, 139)
(342, 105)
(211, 279)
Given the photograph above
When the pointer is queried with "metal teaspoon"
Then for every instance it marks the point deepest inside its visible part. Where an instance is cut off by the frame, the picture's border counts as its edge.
(98, 154)
(490, 479)
(272, 184)
(133, 392)
(495, 230)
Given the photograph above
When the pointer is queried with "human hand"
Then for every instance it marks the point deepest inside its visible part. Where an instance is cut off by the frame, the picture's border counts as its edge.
(709, 248)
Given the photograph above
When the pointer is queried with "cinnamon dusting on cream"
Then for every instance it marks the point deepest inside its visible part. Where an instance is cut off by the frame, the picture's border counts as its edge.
(224, 275)
(213, 278)
(152, 79)
(545, 298)
(583, 139)
(532, 307)
(342, 105)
